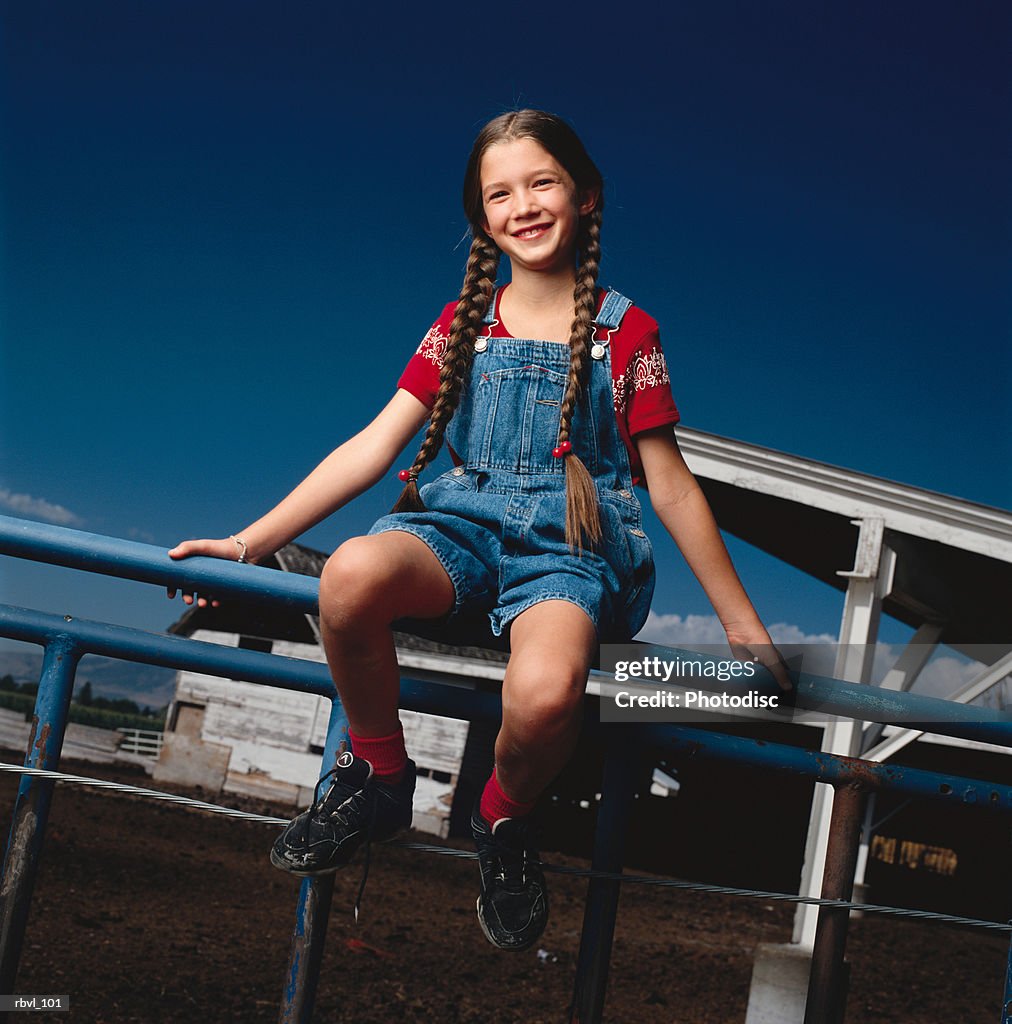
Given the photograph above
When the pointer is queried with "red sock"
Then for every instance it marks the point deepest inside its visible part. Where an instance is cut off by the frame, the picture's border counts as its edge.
(495, 804)
(386, 754)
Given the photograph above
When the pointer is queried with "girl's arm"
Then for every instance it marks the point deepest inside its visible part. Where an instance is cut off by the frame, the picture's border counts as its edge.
(683, 509)
(344, 474)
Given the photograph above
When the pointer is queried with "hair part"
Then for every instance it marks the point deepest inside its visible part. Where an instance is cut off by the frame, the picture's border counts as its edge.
(583, 520)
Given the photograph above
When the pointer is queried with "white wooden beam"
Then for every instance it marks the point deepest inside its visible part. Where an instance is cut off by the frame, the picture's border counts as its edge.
(985, 681)
(905, 671)
(912, 510)
(870, 581)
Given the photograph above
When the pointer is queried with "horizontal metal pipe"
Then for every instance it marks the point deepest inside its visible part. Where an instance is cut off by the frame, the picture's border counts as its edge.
(111, 556)
(169, 651)
(829, 696)
(704, 745)
(699, 744)
(145, 562)
(468, 703)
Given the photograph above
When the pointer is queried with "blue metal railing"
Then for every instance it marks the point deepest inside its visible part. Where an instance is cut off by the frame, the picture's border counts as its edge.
(66, 639)
(130, 560)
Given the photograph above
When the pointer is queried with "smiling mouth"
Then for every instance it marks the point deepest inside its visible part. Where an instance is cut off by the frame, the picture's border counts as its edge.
(532, 232)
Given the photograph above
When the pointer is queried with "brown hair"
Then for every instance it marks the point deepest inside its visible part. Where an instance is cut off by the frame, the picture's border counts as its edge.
(557, 138)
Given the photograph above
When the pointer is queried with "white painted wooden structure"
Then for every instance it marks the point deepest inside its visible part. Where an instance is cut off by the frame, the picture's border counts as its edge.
(938, 563)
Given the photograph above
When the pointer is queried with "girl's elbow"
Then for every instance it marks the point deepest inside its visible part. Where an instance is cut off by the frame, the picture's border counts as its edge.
(673, 499)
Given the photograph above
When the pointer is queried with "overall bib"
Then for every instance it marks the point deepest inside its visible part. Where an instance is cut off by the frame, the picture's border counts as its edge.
(496, 522)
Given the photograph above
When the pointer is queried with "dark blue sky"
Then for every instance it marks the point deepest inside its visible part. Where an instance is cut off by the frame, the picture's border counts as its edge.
(226, 226)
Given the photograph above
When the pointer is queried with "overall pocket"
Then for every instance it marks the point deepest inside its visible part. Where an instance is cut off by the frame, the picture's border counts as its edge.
(515, 418)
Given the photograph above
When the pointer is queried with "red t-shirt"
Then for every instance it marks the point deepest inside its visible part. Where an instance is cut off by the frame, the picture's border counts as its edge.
(641, 386)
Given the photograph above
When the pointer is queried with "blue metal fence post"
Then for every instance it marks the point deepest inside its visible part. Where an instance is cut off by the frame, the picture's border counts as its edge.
(827, 982)
(1006, 1008)
(313, 910)
(618, 787)
(31, 810)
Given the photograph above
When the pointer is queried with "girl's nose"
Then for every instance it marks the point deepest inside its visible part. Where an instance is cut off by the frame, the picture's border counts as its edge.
(527, 202)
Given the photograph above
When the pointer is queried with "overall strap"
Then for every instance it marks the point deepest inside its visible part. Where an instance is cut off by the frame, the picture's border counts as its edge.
(614, 307)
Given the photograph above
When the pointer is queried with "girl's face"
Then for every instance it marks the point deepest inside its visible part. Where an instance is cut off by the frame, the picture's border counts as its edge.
(532, 206)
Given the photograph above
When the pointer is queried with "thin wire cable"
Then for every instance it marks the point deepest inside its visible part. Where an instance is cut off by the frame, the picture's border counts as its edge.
(783, 897)
(664, 883)
(152, 794)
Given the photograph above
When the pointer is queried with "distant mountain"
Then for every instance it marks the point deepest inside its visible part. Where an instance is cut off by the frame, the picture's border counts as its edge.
(146, 685)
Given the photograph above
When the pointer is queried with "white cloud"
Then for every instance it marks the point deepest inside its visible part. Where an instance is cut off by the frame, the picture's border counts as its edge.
(675, 631)
(706, 629)
(787, 633)
(944, 674)
(28, 507)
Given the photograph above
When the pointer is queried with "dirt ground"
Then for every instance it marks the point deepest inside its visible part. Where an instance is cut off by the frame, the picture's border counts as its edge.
(150, 913)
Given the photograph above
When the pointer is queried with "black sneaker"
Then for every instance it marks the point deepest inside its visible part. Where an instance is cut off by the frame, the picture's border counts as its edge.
(357, 809)
(513, 905)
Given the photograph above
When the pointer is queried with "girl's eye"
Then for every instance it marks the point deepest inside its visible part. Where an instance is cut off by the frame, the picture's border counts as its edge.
(496, 195)
(543, 181)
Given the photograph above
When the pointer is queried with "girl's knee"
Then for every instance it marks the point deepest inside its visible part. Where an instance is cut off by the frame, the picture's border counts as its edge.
(547, 698)
(354, 585)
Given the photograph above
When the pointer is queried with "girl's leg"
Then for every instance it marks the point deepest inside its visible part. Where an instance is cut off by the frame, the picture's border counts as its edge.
(553, 645)
(368, 583)
(552, 648)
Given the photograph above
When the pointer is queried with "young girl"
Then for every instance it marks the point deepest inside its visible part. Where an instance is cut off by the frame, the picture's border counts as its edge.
(554, 399)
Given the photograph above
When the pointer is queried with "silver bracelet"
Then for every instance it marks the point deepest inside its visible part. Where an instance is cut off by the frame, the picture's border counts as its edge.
(241, 546)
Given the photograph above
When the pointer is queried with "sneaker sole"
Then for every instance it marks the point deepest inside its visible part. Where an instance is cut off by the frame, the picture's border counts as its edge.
(282, 865)
(505, 949)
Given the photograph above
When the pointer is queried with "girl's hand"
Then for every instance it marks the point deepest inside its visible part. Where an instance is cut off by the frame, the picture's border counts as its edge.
(225, 548)
(754, 644)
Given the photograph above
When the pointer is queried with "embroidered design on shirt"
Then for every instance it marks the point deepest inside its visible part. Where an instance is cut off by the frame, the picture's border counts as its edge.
(433, 345)
(647, 370)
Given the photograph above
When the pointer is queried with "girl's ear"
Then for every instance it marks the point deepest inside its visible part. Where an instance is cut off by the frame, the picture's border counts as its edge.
(588, 200)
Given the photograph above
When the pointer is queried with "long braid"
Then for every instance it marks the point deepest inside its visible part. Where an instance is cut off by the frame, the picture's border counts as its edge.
(475, 296)
(583, 517)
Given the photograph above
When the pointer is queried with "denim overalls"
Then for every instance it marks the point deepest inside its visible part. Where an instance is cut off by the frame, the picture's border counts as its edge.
(497, 521)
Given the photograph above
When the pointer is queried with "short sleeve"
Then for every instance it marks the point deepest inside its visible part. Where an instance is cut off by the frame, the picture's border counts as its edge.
(643, 391)
(421, 376)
